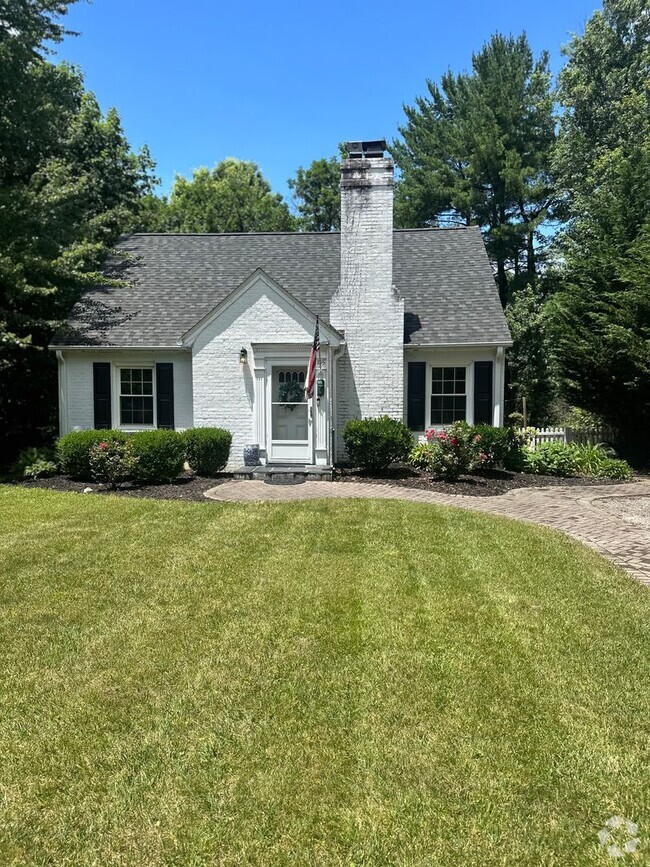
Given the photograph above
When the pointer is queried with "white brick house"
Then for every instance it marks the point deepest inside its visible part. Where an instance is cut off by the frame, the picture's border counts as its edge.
(216, 330)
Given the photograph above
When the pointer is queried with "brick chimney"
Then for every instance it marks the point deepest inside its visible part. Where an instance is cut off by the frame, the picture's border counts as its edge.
(366, 306)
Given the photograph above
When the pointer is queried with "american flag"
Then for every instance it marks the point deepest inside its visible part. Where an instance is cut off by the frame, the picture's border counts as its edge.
(311, 369)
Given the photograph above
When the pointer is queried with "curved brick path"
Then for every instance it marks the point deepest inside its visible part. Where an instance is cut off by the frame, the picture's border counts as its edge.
(574, 510)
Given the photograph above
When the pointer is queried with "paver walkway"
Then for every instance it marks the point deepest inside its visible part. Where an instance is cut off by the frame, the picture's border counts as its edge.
(578, 511)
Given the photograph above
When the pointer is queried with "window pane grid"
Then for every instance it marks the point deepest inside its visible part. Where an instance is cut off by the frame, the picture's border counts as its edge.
(136, 395)
(448, 395)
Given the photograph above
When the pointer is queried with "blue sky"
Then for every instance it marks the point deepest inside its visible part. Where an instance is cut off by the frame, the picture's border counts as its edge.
(281, 83)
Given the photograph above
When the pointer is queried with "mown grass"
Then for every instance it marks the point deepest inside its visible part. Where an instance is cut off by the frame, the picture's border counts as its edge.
(325, 683)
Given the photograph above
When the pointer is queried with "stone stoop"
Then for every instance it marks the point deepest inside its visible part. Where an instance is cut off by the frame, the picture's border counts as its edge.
(276, 474)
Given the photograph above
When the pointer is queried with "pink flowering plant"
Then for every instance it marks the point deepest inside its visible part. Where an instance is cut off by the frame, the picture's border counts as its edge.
(449, 453)
(112, 462)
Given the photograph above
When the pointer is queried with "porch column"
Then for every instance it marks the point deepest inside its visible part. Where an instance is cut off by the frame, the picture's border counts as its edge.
(321, 413)
(259, 409)
(499, 386)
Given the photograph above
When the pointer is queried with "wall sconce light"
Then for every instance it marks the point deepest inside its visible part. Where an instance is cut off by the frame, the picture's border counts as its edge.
(243, 356)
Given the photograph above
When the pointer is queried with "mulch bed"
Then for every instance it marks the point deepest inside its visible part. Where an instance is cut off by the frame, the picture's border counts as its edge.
(488, 483)
(185, 487)
(190, 487)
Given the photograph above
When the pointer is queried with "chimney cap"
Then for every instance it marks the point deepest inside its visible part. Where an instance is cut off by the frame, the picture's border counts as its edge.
(359, 150)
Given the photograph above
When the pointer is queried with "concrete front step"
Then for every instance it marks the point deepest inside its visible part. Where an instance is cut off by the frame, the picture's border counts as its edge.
(285, 474)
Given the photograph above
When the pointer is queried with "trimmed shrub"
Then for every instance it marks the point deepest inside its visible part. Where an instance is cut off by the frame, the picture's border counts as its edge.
(112, 462)
(207, 449)
(375, 443)
(160, 454)
(73, 450)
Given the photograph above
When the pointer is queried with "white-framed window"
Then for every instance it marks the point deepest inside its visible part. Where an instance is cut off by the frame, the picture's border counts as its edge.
(136, 401)
(448, 395)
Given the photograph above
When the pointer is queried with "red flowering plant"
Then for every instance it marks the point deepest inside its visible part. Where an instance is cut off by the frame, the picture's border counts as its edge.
(112, 462)
(447, 453)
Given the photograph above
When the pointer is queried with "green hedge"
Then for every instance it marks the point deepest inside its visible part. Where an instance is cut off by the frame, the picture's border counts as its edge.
(73, 450)
(374, 443)
(207, 449)
(160, 454)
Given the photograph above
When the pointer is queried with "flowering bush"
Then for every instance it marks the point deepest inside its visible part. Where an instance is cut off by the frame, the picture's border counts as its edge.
(73, 450)
(448, 453)
(112, 462)
(501, 446)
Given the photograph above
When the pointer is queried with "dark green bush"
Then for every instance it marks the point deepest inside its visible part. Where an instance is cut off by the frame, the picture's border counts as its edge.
(73, 450)
(207, 449)
(160, 454)
(374, 443)
(502, 446)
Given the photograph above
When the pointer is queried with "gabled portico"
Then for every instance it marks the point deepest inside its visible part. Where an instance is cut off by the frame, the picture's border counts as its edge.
(249, 363)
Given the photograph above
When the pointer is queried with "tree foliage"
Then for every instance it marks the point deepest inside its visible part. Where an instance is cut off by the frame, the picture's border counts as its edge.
(232, 197)
(602, 313)
(317, 196)
(69, 185)
(477, 150)
(530, 365)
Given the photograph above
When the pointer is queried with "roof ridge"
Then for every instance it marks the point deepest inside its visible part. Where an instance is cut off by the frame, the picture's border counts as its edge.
(292, 234)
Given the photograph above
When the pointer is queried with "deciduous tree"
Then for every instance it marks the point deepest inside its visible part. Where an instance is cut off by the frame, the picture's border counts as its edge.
(232, 197)
(318, 196)
(69, 185)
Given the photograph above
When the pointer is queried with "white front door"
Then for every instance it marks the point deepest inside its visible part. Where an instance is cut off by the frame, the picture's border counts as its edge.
(291, 422)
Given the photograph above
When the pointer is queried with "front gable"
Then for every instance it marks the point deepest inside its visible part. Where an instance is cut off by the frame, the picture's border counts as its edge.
(259, 310)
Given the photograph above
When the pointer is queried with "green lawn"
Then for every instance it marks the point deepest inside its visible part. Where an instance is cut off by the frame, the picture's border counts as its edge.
(329, 683)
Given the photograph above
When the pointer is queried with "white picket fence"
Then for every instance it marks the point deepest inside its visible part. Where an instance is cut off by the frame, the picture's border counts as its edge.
(568, 435)
(549, 435)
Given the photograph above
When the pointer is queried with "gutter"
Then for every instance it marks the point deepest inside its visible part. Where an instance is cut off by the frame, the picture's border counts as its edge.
(491, 345)
(60, 347)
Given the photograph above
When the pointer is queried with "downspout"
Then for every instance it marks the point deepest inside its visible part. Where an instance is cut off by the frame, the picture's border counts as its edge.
(334, 395)
(63, 387)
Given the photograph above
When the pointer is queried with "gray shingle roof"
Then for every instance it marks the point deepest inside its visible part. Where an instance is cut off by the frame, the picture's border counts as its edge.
(443, 275)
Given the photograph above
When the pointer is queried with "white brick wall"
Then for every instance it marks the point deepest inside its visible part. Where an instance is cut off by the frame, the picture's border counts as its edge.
(366, 307)
(224, 389)
(76, 384)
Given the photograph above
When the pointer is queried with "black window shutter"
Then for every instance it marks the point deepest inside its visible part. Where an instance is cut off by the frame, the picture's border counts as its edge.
(102, 395)
(483, 392)
(165, 395)
(415, 399)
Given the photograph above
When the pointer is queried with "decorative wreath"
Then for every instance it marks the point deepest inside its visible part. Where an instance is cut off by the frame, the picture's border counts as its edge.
(291, 392)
